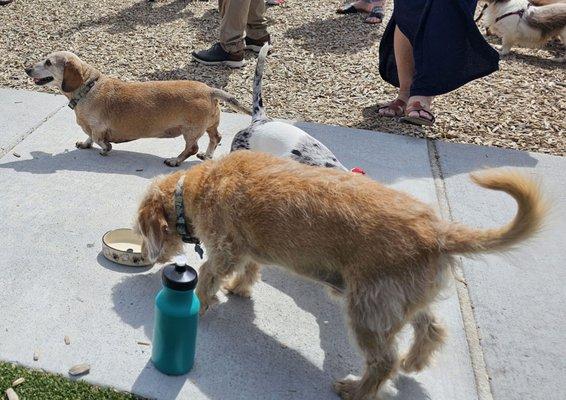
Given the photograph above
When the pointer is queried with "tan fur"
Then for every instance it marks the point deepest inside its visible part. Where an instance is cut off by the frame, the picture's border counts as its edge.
(545, 2)
(387, 252)
(550, 19)
(534, 28)
(114, 111)
(527, 221)
(72, 76)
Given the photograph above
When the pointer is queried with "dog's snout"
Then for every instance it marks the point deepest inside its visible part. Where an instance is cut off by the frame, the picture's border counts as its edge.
(28, 70)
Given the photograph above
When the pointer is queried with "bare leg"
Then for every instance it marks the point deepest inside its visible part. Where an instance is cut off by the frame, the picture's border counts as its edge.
(87, 144)
(214, 138)
(190, 149)
(405, 68)
(429, 336)
(241, 284)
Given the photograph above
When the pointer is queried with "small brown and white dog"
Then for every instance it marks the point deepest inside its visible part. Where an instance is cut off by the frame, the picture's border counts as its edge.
(522, 23)
(385, 252)
(113, 111)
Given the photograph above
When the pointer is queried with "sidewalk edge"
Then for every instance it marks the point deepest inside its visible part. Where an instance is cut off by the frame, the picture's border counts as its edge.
(479, 366)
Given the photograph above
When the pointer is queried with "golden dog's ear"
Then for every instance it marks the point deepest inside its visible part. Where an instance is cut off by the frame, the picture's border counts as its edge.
(152, 225)
(72, 78)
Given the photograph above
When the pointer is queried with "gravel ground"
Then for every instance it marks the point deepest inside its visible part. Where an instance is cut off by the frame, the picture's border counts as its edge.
(324, 67)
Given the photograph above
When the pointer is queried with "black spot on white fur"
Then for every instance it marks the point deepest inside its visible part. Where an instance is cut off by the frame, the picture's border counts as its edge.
(242, 139)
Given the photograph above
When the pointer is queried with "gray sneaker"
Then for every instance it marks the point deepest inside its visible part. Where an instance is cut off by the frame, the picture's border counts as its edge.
(255, 45)
(216, 55)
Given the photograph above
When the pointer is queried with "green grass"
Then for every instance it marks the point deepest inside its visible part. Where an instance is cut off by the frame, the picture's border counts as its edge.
(40, 385)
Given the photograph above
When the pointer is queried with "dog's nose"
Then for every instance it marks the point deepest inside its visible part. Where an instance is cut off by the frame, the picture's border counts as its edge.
(28, 70)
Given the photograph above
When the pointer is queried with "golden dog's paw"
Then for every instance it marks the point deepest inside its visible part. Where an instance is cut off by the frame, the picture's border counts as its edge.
(172, 162)
(411, 364)
(203, 156)
(206, 304)
(83, 145)
(346, 388)
(238, 290)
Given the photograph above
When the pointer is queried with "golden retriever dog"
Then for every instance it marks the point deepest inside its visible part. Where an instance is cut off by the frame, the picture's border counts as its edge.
(386, 253)
(113, 111)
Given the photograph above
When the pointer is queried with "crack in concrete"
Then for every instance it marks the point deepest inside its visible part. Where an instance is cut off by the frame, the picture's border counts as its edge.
(22, 137)
(479, 366)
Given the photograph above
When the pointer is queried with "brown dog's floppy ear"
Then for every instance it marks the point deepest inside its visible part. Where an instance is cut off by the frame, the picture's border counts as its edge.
(72, 78)
(153, 227)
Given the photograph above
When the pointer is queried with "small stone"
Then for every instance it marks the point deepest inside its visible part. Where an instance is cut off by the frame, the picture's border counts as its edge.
(35, 356)
(79, 369)
(11, 394)
(67, 340)
(18, 382)
(16, 155)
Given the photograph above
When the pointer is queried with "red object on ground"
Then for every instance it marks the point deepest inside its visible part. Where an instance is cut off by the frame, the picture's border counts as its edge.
(358, 170)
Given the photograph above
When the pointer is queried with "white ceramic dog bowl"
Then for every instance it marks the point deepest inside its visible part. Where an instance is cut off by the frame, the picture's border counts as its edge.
(123, 246)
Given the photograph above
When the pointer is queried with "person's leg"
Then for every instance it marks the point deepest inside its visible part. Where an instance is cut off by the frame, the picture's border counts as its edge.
(230, 50)
(256, 27)
(405, 70)
(233, 25)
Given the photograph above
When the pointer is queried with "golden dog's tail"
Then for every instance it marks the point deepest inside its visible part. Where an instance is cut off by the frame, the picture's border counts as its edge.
(528, 220)
(230, 100)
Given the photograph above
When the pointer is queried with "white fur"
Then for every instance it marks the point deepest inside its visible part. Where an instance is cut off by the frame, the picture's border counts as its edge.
(277, 138)
(514, 30)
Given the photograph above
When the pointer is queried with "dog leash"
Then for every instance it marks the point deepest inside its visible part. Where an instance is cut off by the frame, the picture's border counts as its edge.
(181, 223)
(82, 92)
(481, 13)
(518, 12)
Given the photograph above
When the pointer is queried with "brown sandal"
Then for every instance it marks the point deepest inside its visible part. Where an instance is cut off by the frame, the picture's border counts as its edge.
(420, 120)
(397, 106)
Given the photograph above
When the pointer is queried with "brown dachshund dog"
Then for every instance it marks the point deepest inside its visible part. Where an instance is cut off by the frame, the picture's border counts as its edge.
(113, 111)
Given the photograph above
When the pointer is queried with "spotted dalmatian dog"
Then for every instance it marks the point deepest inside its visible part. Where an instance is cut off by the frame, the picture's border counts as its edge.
(280, 138)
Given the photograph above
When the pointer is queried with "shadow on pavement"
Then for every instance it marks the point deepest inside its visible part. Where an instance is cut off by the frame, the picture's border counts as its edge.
(116, 162)
(237, 360)
(391, 158)
(124, 269)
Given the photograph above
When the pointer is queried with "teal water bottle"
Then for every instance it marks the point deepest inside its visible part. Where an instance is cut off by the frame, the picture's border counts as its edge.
(176, 319)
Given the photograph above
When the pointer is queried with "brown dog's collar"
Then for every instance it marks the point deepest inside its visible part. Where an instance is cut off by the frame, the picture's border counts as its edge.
(82, 92)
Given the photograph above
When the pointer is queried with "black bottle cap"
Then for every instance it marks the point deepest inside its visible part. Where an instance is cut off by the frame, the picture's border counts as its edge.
(179, 276)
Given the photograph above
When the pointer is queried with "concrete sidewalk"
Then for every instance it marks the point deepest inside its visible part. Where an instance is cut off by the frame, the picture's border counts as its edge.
(289, 341)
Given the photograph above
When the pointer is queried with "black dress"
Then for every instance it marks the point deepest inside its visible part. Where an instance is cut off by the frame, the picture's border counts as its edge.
(448, 49)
